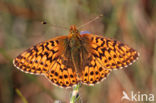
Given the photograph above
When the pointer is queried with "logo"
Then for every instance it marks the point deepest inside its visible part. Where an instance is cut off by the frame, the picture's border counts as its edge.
(137, 96)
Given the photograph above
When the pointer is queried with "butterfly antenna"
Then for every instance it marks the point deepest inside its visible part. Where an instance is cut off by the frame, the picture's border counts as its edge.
(94, 19)
(45, 23)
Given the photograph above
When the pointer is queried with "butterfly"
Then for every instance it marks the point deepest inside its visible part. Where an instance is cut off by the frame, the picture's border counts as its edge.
(76, 58)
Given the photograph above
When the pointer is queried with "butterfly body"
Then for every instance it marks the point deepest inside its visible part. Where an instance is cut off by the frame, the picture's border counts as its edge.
(76, 47)
(72, 59)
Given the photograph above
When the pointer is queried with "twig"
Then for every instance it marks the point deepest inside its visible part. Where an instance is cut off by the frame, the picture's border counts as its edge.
(21, 96)
(75, 94)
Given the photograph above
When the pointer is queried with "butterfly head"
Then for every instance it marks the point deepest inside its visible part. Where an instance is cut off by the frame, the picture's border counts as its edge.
(74, 31)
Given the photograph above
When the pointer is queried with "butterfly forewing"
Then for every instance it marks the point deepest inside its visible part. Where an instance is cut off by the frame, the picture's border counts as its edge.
(110, 53)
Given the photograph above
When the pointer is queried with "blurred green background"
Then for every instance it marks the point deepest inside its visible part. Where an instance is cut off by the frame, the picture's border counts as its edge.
(130, 21)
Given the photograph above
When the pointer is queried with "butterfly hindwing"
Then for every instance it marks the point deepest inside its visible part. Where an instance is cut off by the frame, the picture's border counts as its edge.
(63, 73)
(93, 71)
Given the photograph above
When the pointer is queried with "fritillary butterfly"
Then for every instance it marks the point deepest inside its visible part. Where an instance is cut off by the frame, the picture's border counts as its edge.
(76, 58)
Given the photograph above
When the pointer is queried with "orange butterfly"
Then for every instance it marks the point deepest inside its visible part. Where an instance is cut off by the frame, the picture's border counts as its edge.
(69, 60)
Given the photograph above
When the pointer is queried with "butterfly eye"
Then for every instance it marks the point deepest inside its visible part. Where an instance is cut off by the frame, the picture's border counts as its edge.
(74, 31)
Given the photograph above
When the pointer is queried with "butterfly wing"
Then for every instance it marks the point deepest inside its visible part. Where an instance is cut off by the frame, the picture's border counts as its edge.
(93, 71)
(62, 73)
(111, 53)
(48, 58)
(106, 54)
